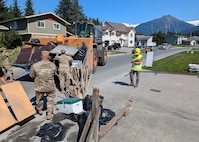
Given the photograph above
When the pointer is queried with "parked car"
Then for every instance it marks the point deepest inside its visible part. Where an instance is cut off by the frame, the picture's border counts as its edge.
(142, 48)
(114, 46)
(164, 46)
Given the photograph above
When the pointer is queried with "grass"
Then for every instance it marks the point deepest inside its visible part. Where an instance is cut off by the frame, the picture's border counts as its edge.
(177, 63)
(112, 52)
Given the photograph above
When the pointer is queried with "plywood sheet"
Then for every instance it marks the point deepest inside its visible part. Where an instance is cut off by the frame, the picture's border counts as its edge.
(18, 100)
(6, 118)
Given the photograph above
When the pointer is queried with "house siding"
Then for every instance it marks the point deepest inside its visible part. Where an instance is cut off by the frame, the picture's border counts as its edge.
(27, 26)
(123, 34)
(47, 30)
(131, 38)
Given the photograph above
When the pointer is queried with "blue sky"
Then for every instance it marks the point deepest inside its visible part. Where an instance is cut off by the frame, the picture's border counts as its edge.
(125, 11)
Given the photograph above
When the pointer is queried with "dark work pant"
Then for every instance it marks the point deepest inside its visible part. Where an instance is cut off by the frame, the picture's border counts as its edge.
(137, 73)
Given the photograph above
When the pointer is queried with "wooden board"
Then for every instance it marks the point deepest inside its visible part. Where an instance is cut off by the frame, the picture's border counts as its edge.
(6, 118)
(18, 100)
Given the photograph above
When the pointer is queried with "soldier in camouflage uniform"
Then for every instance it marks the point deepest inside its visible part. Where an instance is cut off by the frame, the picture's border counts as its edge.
(6, 63)
(43, 73)
(64, 67)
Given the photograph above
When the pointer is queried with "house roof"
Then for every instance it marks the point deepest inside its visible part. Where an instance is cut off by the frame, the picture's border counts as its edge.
(37, 15)
(4, 28)
(196, 38)
(118, 27)
(142, 37)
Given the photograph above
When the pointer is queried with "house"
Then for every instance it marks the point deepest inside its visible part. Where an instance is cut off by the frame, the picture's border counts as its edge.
(144, 40)
(193, 40)
(118, 33)
(175, 39)
(38, 25)
(3, 28)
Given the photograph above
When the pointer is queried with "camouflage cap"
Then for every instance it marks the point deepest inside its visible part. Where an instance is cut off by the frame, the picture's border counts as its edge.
(45, 53)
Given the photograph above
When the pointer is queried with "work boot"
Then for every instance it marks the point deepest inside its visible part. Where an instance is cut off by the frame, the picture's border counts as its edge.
(40, 112)
(49, 116)
(131, 84)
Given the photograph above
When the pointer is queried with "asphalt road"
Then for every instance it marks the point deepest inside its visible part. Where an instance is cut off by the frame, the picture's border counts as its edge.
(165, 106)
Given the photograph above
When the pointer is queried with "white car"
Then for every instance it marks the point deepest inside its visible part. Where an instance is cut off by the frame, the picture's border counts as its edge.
(164, 46)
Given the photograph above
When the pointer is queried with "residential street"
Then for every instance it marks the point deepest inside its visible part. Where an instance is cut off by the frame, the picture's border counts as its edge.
(165, 106)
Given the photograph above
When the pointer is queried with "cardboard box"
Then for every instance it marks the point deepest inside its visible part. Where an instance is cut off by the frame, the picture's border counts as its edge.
(70, 105)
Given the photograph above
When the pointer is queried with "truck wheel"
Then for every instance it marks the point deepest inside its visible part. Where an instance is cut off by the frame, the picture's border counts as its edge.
(94, 60)
(103, 58)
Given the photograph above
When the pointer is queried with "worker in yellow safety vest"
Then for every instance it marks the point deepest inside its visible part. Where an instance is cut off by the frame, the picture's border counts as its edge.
(136, 67)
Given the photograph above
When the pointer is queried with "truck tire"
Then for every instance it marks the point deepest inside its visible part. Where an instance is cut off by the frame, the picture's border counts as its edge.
(94, 60)
(103, 58)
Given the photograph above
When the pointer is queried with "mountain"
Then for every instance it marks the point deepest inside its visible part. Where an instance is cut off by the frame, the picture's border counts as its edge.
(192, 30)
(164, 24)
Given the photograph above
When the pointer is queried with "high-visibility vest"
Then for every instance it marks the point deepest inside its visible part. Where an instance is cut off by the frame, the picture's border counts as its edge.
(134, 66)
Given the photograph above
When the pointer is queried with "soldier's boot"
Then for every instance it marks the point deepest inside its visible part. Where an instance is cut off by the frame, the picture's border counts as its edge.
(49, 116)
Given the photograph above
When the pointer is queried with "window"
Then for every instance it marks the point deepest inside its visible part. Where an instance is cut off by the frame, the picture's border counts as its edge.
(131, 35)
(41, 24)
(112, 33)
(14, 25)
(56, 26)
(106, 33)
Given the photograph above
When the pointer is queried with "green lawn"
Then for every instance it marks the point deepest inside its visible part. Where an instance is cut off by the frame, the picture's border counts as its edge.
(112, 52)
(177, 63)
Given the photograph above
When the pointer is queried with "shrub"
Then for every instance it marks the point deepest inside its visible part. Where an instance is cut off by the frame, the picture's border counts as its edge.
(12, 39)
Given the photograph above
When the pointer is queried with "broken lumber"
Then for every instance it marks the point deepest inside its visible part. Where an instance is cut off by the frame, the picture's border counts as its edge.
(91, 128)
(114, 120)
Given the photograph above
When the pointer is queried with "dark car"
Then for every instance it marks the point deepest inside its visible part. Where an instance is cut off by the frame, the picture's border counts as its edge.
(114, 46)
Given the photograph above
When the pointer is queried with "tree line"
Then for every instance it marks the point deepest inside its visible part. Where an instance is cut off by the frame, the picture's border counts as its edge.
(69, 10)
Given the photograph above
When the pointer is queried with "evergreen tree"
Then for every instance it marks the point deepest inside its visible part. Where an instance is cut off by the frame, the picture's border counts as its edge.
(77, 11)
(29, 8)
(159, 38)
(16, 12)
(71, 11)
(3, 11)
(64, 10)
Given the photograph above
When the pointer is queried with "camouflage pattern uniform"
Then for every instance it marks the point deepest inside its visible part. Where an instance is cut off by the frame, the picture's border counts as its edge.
(6, 63)
(43, 72)
(64, 67)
